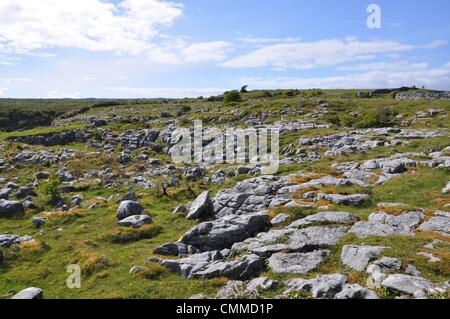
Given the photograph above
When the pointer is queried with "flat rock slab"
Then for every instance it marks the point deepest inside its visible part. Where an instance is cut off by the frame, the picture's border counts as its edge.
(29, 293)
(224, 232)
(325, 218)
(348, 200)
(408, 284)
(243, 268)
(440, 223)
(209, 265)
(135, 221)
(381, 224)
(323, 286)
(356, 292)
(358, 257)
(297, 263)
(291, 240)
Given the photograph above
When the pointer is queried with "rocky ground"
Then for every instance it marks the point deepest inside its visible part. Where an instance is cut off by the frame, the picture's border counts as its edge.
(360, 206)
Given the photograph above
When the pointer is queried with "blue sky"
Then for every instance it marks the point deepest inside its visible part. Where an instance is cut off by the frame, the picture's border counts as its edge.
(151, 48)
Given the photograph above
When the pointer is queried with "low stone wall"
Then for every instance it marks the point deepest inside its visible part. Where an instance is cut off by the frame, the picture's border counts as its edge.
(53, 139)
(444, 95)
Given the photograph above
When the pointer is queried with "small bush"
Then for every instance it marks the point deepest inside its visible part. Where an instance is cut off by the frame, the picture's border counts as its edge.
(153, 271)
(231, 96)
(379, 118)
(50, 189)
(127, 235)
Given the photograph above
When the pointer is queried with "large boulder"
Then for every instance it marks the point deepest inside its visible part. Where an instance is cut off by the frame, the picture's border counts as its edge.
(29, 293)
(10, 208)
(129, 208)
(225, 231)
(297, 263)
(358, 257)
(378, 270)
(201, 207)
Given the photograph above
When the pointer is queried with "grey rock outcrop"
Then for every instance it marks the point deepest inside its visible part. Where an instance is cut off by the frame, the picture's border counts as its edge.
(224, 232)
(325, 218)
(201, 207)
(10, 208)
(129, 208)
(297, 263)
(358, 257)
(323, 286)
(356, 292)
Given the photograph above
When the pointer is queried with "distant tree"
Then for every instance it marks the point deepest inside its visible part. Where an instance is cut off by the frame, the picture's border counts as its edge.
(231, 96)
(244, 89)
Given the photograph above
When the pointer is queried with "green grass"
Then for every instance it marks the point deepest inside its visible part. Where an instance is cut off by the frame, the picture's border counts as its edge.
(106, 252)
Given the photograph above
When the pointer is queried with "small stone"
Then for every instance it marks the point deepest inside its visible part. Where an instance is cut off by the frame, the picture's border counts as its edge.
(29, 293)
(135, 221)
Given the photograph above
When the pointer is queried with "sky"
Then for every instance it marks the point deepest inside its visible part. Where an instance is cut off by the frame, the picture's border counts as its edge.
(190, 48)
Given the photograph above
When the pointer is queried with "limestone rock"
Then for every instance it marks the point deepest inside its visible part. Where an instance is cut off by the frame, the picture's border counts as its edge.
(176, 249)
(297, 263)
(10, 208)
(135, 221)
(129, 208)
(225, 231)
(29, 293)
(325, 218)
(201, 207)
(358, 257)
(323, 286)
(356, 292)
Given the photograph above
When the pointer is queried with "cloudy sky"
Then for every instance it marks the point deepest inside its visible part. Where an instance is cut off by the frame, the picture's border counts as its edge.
(153, 48)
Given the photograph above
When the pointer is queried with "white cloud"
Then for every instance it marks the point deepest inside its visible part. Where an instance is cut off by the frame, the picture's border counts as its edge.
(130, 27)
(309, 55)
(12, 80)
(2, 91)
(166, 92)
(259, 41)
(435, 44)
(207, 51)
(382, 77)
(61, 95)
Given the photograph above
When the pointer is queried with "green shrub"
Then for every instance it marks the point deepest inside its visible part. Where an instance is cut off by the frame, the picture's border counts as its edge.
(50, 188)
(231, 96)
(379, 118)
